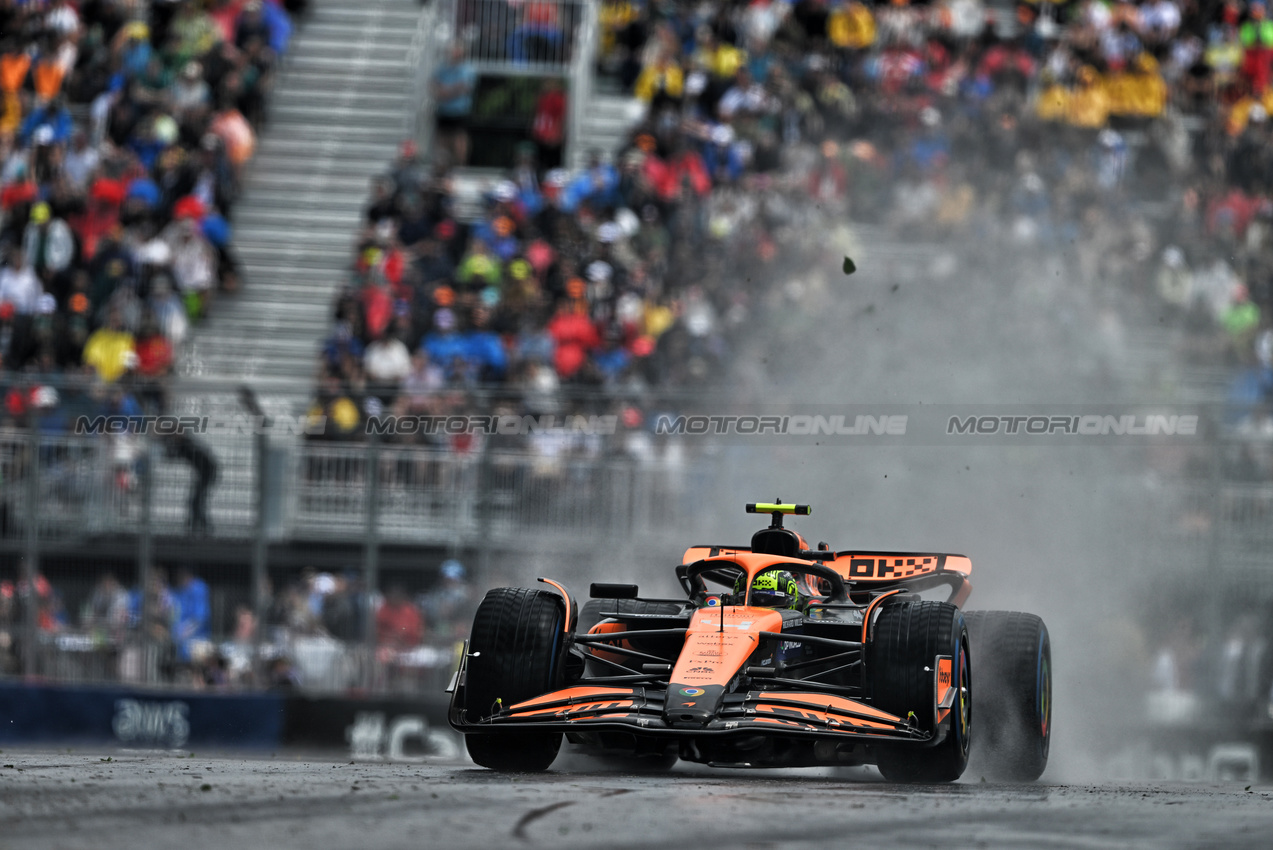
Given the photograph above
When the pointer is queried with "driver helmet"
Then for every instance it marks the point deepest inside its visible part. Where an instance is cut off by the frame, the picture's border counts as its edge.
(772, 589)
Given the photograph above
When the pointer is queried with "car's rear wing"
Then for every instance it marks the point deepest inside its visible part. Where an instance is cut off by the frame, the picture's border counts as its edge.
(879, 570)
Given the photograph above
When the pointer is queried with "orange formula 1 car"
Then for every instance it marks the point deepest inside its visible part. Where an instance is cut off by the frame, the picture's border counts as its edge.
(780, 656)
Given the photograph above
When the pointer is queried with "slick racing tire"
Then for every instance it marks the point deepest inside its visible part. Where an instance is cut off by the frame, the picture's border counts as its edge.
(515, 653)
(1013, 700)
(908, 636)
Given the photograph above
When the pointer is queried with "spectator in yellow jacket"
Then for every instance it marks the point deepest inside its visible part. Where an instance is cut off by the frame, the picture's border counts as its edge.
(720, 59)
(1239, 114)
(663, 76)
(851, 26)
(1088, 105)
(111, 349)
(1053, 100)
(1118, 87)
(1144, 89)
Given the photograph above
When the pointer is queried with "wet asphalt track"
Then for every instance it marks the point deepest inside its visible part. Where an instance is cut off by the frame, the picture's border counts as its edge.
(60, 799)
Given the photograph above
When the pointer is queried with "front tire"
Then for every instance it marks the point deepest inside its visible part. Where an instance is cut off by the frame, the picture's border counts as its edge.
(908, 638)
(516, 653)
(1014, 704)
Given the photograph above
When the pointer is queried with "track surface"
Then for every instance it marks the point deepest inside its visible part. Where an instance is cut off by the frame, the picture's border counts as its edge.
(72, 800)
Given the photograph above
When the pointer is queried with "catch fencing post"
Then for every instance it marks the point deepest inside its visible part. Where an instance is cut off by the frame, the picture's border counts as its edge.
(260, 551)
(371, 538)
(31, 557)
(484, 508)
(144, 539)
(259, 544)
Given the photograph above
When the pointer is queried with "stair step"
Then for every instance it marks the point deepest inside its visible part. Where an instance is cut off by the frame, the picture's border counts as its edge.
(338, 83)
(366, 114)
(341, 106)
(359, 65)
(359, 132)
(316, 214)
(289, 148)
(379, 99)
(405, 13)
(258, 252)
(292, 185)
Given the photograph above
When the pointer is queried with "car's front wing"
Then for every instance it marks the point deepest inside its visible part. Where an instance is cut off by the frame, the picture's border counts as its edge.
(640, 710)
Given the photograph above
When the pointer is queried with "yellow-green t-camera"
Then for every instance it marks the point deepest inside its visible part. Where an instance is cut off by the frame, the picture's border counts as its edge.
(777, 508)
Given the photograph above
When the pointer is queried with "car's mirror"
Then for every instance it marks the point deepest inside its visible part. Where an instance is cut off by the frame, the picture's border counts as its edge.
(602, 590)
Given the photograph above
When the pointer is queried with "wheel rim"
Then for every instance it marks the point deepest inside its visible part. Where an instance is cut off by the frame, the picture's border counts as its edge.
(1043, 692)
(965, 704)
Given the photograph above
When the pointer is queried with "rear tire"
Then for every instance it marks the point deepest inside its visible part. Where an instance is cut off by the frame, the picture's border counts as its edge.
(515, 654)
(1014, 700)
(908, 636)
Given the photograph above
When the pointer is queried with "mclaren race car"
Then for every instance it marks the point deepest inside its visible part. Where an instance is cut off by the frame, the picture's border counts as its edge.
(779, 656)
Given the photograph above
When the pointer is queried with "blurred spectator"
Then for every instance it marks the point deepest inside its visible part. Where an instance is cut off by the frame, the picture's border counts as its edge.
(548, 128)
(93, 213)
(19, 286)
(283, 675)
(343, 608)
(154, 611)
(194, 613)
(107, 609)
(203, 465)
(449, 607)
(454, 83)
(387, 363)
(399, 624)
(10, 626)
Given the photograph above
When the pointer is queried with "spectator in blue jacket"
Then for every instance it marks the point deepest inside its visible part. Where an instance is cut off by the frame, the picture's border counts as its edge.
(483, 350)
(597, 185)
(52, 115)
(194, 613)
(444, 345)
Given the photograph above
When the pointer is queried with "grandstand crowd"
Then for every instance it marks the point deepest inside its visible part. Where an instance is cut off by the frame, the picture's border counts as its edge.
(177, 629)
(1129, 139)
(124, 132)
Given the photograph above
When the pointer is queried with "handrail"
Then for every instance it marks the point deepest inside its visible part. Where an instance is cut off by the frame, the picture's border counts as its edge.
(433, 32)
(582, 67)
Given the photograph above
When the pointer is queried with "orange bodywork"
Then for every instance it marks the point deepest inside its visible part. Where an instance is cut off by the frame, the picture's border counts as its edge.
(712, 654)
(698, 553)
(569, 626)
(604, 628)
(821, 707)
(945, 686)
(586, 702)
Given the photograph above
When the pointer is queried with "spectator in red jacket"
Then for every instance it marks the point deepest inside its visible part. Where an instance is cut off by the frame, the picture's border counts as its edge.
(549, 127)
(575, 336)
(399, 623)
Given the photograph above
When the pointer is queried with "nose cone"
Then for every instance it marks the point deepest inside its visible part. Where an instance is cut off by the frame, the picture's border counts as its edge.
(692, 706)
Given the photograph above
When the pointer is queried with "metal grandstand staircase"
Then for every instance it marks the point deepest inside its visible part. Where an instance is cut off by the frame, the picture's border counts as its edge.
(605, 124)
(338, 111)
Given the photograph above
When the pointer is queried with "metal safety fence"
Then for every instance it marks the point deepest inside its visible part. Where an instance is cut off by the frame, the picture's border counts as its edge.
(516, 35)
(108, 542)
(137, 558)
